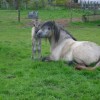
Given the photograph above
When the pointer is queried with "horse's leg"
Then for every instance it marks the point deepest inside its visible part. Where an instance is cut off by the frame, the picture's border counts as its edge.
(39, 48)
(34, 49)
(80, 66)
(49, 58)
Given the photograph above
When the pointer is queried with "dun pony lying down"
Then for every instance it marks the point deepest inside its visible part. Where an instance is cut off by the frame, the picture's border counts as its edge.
(65, 47)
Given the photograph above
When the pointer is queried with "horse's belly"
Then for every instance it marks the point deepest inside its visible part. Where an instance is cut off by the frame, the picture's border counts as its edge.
(87, 53)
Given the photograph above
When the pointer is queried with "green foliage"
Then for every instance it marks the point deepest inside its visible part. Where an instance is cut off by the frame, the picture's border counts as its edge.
(35, 4)
(10, 1)
(61, 2)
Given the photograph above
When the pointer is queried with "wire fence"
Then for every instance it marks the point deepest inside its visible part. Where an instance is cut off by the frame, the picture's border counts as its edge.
(89, 10)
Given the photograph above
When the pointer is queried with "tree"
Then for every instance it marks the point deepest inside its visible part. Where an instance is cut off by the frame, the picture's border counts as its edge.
(16, 4)
(61, 2)
(26, 3)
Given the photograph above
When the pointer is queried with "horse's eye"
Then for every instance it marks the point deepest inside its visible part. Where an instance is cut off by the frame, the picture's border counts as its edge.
(48, 28)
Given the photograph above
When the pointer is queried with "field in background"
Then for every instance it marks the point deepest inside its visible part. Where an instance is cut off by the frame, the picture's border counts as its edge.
(24, 79)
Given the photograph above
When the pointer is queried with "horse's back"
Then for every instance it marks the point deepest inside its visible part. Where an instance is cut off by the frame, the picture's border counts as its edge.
(87, 52)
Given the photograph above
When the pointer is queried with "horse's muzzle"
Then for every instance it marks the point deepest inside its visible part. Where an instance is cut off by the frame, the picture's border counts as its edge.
(39, 34)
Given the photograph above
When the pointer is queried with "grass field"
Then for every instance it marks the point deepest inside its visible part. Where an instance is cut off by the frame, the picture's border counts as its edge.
(24, 79)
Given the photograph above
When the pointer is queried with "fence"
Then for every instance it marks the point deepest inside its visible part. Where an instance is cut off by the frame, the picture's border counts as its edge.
(26, 4)
(91, 10)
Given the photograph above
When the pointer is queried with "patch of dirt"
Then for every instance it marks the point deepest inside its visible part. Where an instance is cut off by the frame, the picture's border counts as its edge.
(63, 22)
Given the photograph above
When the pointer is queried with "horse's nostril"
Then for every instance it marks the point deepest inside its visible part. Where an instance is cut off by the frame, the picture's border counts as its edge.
(39, 34)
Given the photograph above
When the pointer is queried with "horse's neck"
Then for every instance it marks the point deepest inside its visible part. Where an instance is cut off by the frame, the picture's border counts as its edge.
(53, 43)
(63, 37)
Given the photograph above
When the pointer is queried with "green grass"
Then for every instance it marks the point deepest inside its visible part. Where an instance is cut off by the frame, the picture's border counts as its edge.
(24, 79)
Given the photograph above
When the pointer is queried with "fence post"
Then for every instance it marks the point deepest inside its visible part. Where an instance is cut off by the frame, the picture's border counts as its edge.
(18, 10)
(71, 11)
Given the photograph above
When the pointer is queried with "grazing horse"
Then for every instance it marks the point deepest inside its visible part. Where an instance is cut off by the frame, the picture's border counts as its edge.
(65, 47)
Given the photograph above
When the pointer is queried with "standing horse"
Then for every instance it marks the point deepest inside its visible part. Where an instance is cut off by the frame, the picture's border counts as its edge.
(65, 47)
(36, 42)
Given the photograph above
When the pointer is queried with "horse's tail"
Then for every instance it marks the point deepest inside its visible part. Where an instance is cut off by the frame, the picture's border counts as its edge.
(96, 66)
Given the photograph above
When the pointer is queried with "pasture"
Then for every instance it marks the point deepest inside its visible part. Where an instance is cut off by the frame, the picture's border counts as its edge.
(21, 78)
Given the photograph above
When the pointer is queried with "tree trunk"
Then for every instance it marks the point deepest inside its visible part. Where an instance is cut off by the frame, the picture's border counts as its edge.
(16, 4)
(43, 3)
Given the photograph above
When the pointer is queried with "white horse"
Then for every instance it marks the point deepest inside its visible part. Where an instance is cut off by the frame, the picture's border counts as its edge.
(65, 47)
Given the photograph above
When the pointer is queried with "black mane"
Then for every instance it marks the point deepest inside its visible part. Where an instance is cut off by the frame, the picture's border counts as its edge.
(56, 29)
(70, 35)
(48, 23)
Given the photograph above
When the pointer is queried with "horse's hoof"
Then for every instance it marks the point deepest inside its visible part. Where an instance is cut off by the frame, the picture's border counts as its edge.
(46, 59)
(78, 68)
(43, 59)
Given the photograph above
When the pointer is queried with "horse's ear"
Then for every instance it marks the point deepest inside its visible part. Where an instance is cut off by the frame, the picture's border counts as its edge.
(56, 32)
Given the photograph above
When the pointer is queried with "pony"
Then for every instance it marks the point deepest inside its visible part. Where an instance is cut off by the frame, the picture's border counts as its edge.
(36, 42)
(65, 47)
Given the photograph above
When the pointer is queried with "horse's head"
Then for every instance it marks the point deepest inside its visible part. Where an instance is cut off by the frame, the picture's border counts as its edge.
(49, 29)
